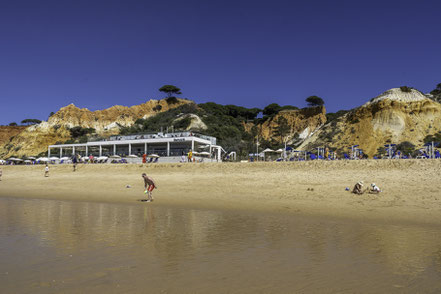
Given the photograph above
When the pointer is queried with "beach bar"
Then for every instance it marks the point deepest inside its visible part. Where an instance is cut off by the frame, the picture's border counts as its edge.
(169, 146)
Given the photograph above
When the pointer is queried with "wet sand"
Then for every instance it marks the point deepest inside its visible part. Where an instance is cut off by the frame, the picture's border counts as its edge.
(53, 246)
(412, 188)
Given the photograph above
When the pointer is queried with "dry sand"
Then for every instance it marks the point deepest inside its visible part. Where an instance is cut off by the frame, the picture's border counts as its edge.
(412, 188)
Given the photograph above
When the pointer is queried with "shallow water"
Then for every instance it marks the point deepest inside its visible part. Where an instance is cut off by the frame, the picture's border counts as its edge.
(49, 246)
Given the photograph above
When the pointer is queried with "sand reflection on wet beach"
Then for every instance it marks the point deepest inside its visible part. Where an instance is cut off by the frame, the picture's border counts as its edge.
(70, 247)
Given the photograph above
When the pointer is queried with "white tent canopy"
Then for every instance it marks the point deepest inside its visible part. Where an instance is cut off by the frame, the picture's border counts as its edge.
(115, 156)
(268, 150)
(279, 150)
(54, 158)
(132, 156)
(43, 159)
(204, 153)
(30, 157)
(154, 155)
(15, 159)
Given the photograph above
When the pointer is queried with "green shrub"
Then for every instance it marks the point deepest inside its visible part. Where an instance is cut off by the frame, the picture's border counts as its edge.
(171, 100)
(406, 89)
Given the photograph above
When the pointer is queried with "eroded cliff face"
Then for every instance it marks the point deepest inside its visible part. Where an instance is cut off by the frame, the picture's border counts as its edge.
(35, 139)
(107, 121)
(302, 123)
(395, 116)
(7, 132)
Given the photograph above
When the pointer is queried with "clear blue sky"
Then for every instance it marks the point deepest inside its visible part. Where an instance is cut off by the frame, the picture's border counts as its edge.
(96, 54)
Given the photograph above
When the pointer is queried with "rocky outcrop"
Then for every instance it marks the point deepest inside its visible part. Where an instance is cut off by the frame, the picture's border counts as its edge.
(395, 116)
(8, 132)
(195, 122)
(302, 123)
(108, 120)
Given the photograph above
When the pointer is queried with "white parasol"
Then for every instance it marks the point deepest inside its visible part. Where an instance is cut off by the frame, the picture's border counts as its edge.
(268, 150)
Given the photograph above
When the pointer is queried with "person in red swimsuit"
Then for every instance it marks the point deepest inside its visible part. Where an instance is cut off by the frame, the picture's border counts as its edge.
(149, 185)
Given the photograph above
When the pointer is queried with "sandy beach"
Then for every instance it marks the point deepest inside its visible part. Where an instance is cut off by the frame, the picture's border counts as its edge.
(412, 188)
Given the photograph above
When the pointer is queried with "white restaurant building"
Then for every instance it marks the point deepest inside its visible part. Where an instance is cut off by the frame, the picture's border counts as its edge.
(169, 146)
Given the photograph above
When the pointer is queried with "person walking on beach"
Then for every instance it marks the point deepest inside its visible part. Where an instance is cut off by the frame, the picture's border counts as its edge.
(74, 161)
(46, 171)
(149, 185)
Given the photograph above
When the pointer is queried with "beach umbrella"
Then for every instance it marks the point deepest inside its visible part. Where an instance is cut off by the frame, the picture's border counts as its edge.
(204, 153)
(115, 156)
(267, 150)
(279, 150)
(27, 161)
(102, 158)
(15, 159)
(43, 159)
(54, 158)
(30, 157)
(132, 156)
(64, 158)
(154, 155)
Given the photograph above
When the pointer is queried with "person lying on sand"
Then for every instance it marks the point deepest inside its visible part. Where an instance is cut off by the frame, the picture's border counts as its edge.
(358, 188)
(374, 189)
(149, 185)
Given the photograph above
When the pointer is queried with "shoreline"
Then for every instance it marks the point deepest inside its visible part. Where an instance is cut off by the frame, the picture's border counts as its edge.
(412, 188)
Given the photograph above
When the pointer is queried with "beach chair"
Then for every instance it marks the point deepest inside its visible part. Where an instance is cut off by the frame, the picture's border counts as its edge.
(437, 154)
(312, 156)
(156, 160)
(346, 156)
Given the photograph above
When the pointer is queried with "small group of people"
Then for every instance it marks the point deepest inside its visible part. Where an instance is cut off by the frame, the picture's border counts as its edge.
(187, 157)
(358, 188)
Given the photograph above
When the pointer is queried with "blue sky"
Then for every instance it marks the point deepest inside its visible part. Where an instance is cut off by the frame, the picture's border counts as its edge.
(96, 54)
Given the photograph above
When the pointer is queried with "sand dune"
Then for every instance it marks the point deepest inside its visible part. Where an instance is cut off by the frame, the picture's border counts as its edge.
(412, 188)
